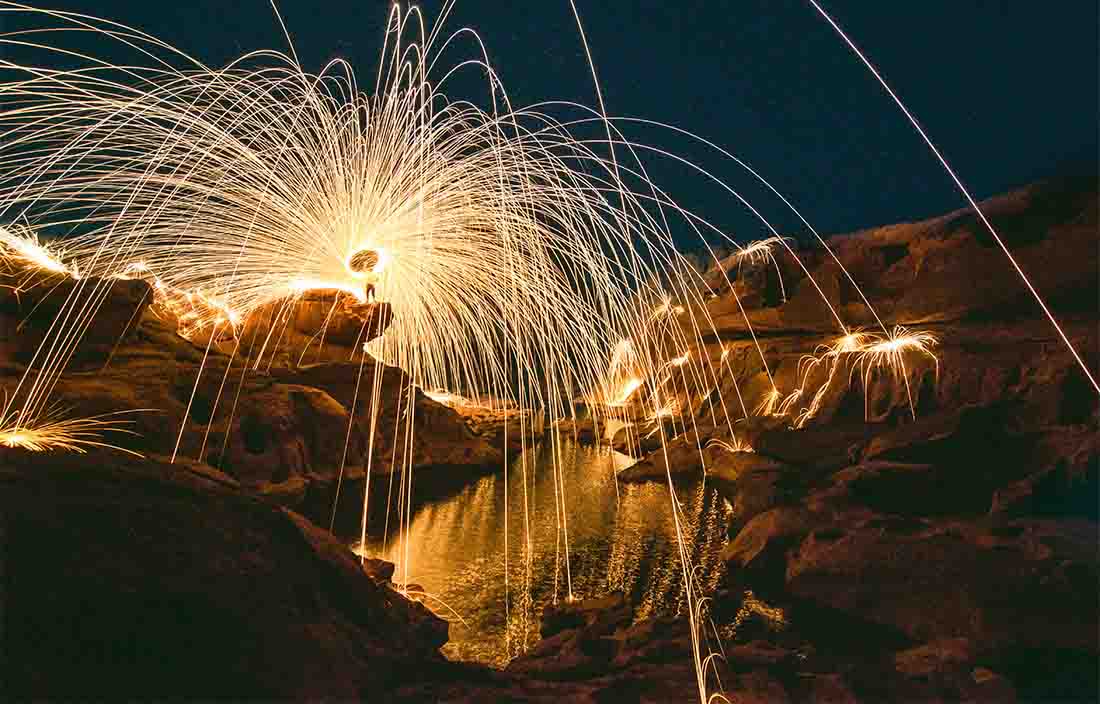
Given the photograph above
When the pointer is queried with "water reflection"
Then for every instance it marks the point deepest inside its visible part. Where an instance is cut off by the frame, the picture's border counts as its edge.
(621, 538)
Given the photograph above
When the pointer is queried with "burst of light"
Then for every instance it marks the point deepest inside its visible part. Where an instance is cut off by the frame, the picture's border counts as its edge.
(761, 250)
(666, 410)
(770, 404)
(194, 312)
(867, 353)
(453, 400)
(626, 391)
(505, 240)
(889, 352)
(23, 245)
(736, 446)
(53, 431)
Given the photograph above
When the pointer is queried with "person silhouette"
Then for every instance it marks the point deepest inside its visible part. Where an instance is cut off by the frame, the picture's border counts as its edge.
(363, 264)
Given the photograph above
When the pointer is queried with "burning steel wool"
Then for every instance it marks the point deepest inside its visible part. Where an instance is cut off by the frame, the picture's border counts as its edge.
(523, 259)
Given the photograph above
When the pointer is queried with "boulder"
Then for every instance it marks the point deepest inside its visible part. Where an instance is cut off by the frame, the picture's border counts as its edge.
(752, 483)
(317, 326)
(934, 580)
(580, 430)
(684, 458)
(817, 449)
(129, 578)
(607, 612)
(31, 302)
(758, 553)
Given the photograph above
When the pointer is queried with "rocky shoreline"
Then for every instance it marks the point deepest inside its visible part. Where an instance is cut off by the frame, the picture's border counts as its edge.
(951, 557)
(962, 543)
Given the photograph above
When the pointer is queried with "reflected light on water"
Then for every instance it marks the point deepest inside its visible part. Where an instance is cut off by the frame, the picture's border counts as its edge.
(620, 539)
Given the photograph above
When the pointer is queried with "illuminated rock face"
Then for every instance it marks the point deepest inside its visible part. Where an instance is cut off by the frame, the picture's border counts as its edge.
(31, 301)
(318, 326)
(281, 429)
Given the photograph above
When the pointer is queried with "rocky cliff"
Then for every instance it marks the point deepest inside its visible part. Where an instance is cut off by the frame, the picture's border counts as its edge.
(270, 407)
(961, 542)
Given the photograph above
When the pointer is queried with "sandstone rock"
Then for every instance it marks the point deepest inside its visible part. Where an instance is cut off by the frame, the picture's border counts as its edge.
(442, 440)
(758, 653)
(581, 430)
(751, 482)
(129, 578)
(630, 442)
(818, 449)
(945, 668)
(830, 689)
(934, 581)
(932, 657)
(609, 611)
(685, 457)
(29, 309)
(318, 326)
(914, 272)
(914, 489)
(759, 687)
(1065, 481)
(757, 554)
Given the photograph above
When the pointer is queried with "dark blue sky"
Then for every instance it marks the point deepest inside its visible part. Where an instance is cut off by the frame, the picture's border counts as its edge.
(1007, 88)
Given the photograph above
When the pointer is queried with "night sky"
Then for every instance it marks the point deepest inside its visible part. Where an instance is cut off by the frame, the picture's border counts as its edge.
(1007, 88)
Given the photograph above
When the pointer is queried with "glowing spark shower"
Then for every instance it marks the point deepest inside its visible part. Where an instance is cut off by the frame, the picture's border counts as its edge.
(22, 245)
(525, 260)
(54, 431)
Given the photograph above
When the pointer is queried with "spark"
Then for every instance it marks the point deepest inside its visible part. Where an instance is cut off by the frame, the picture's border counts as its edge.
(761, 250)
(518, 255)
(867, 353)
(770, 404)
(666, 410)
(889, 352)
(54, 431)
(626, 391)
(736, 446)
(195, 313)
(23, 245)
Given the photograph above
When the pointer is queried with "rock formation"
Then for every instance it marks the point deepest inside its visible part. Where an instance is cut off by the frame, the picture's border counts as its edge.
(249, 405)
(140, 579)
(872, 556)
(962, 542)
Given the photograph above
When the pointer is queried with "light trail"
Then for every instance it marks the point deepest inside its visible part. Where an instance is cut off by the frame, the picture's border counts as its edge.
(525, 262)
(962, 189)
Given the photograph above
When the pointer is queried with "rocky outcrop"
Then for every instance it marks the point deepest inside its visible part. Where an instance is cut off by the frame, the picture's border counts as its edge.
(968, 526)
(283, 429)
(964, 538)
(683, 458)
(942, 269)
(128, 578)
(316, 327)
(36, 304)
